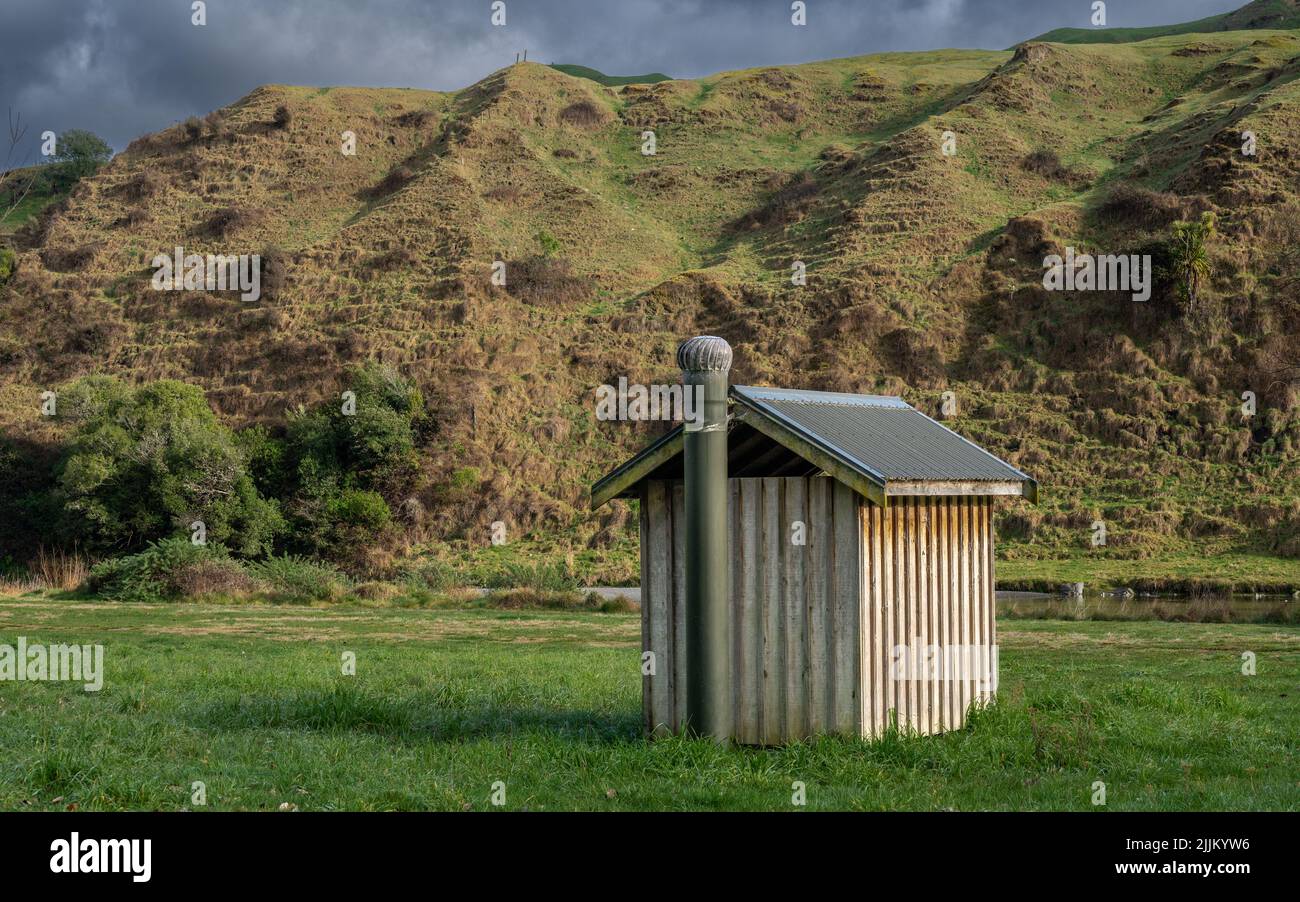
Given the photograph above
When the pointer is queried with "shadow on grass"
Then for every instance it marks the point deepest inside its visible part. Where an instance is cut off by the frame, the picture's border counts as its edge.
(421, 717)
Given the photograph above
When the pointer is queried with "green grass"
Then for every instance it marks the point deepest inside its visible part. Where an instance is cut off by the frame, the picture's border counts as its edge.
(31, 205)
(251, 702)
(1174, 573)
(609, 81)
(1183, 569)
(1229, 21)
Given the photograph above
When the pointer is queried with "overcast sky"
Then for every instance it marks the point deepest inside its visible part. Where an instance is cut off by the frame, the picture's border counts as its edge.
(125, 67)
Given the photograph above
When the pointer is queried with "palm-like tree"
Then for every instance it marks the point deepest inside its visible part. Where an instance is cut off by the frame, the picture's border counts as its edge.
(1190, 259)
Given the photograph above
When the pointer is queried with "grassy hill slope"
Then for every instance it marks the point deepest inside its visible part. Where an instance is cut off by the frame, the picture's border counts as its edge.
(924, 274)
(1274, 14)
(26, 202)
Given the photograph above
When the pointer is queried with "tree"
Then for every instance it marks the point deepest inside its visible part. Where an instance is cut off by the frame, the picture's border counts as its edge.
(1189, 256)
(77, 154)
(145, 463)
(15, 183)
(343, 462)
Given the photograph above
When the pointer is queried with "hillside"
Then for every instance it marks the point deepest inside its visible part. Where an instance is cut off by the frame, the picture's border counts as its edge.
(924, 273)
(1274, 14)
(22, 203)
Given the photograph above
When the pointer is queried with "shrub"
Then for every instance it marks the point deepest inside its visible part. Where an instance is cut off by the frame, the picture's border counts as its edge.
(416, 119)
(1047, 164)
(549, 244)
(504, 193)
(167, 570)
(582, 113)
(361, 510)
(559, 599)
(371, 448)
(546, 281)
(274, 271)
(393, 259)
(133, 218)
(71, 259)
(619, 604)
(265, 454)
(432, 575)
(8, 264)
(29, 512)
(142, 461)
(225, 222)
(1130, 204)
(143, 184)
(514, 599)
(337, 471)
(194, 129)
(300, 579)
(213, 576)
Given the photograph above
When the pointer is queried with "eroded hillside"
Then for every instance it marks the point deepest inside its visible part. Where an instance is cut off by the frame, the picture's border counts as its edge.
(924, 269)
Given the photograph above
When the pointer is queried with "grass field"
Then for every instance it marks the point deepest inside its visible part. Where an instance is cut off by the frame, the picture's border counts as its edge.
(1197, 568)
(251, 701)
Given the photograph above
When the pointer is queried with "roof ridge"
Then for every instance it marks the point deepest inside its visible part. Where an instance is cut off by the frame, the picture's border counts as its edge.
(830, 398)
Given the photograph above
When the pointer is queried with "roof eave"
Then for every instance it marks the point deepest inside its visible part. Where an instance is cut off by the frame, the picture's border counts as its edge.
(959, 487)
(865, 482)
(628, 474)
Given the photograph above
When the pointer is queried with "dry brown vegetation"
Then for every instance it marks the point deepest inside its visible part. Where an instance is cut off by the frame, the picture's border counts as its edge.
(228, 221)
(60, 569)
(924, 269)
(584, 113)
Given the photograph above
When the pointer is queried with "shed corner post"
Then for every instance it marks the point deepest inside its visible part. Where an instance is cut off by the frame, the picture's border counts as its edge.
(705, 362)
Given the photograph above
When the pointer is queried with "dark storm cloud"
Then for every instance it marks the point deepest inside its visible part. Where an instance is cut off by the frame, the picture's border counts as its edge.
(125, 67)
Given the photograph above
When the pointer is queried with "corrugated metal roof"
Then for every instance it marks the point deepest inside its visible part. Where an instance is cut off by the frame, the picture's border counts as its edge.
(884, 435)
(879, 445)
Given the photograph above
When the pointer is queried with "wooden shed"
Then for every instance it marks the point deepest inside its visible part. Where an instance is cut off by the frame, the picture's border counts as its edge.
(860, 567)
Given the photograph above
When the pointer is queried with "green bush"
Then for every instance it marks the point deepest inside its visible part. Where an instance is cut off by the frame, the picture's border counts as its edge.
(8, 264)
(142, 463)
(337, 469)
(432, 575)
(301, 579)
(168, 570)
(549, 243)
(365, 511)
(265, 454)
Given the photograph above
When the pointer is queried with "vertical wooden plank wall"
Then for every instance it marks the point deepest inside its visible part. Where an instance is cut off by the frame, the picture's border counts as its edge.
(929, 595)
(796, 609)
(648, 601)
(847, 607)
(815, 626)
(659, 606)
(678, 641)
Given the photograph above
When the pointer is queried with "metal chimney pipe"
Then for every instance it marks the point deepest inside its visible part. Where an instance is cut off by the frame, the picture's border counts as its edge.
(705, 361)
